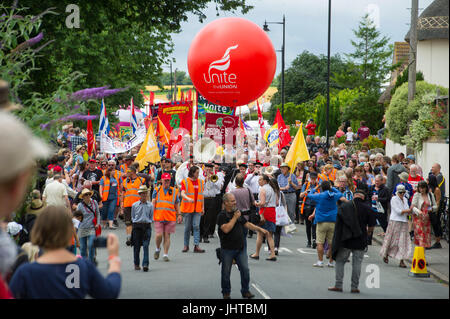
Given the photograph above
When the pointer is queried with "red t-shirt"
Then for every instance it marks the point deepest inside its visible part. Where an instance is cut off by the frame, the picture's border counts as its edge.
(363, 132)
(311, 128)
(414, 181)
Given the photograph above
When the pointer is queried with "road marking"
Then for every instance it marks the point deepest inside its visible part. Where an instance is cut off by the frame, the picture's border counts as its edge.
(281, 249)
(266, 296)
(300, 250)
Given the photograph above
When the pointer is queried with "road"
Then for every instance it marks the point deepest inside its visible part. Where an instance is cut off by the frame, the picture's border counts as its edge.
(197, 276)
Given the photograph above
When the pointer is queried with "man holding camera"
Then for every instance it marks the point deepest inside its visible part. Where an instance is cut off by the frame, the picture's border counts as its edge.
(213, 186)
(232, 242)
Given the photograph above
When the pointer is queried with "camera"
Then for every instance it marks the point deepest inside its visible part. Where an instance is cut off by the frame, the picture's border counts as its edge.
(100, 242)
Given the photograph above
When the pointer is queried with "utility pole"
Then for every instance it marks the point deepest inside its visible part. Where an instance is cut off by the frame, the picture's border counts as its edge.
(328, 72)
(412, 50)
(175, 85)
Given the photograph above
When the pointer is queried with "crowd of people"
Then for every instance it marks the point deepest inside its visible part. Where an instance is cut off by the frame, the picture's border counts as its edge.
(80, 196)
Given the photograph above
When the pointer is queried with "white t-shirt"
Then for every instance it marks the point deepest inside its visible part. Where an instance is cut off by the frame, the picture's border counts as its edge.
(396, 208)
(349, 136)
(54, 194)
(76, 223)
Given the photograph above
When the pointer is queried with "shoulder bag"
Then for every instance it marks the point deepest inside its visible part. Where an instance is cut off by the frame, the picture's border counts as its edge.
(98, 230)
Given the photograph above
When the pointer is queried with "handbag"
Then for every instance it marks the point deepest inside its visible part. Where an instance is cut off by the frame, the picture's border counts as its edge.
(380, 208)
(98, 230)
(282, 217)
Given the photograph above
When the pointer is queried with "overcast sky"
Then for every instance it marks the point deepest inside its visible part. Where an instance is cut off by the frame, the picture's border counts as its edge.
(307, 24)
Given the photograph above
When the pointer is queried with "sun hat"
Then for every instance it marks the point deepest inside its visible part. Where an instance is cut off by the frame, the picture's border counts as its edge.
(20, 148)
(404, 176)
(285, 165)
(84, 192)
(36, 206)
(143, 189)
(400, 189)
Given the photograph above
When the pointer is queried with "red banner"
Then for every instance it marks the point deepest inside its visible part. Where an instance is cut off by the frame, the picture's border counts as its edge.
(283, 131)
(176, 115)
(221, 128)
(90, 137)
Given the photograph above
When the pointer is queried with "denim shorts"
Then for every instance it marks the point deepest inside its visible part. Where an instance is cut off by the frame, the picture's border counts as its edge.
(269, 226)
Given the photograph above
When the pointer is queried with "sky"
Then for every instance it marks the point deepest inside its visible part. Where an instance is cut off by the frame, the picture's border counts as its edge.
(307, 24)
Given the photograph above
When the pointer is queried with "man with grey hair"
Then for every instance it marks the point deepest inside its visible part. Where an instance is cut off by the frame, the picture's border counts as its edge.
(233, 245)
(20, 150)
(414, 176)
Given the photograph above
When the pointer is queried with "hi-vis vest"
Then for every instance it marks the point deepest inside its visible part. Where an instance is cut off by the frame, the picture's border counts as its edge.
(131, 195)
(165, 205)
(106, 186)
(304, 198)
(197, 207)
(330, 178)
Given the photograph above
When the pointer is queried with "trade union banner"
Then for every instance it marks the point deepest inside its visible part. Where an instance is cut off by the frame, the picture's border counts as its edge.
(176, 115)
(113, 146)
(204, 106)
(221, 128)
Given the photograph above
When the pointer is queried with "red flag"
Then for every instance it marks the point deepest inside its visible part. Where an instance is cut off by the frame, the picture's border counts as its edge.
(260, 120)
(283, 131)
(90, 137)
(241, 126)
(182, 96)
(189, 95)
(152, 98)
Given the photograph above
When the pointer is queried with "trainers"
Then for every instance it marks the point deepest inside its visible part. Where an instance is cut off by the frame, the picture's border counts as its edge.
(318, 264)
(166, 258)
(314, 245)
(308, 245)
(436, 245)
(156, 255)
(331, 265)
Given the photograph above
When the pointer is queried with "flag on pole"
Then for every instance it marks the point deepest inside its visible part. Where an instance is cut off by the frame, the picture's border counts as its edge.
(133, 118)
(178, 94)
(104, 124)
(260, 120)
(90, 137)
(149, 151)
(271, 135)
(163, 133)
(283, 132)
(298, 152)
(182, 96)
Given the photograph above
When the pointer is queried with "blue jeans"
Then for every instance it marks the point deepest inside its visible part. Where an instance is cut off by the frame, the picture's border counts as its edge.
(227, 262)
(87, 243)
(191, 220)
(108, 209)
(145, 244)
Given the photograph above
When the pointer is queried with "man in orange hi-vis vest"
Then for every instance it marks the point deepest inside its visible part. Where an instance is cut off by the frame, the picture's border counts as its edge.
(166, 213)
(129, 196)
(328, 174)
(192, 207)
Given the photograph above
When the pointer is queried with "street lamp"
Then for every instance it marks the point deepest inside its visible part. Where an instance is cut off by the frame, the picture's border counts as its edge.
(266, 28)
(328, 75)
(171, 78)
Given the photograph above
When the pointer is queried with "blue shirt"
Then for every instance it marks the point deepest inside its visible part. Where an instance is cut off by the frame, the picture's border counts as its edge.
(48, 281)
(308, 201)
(142, 212)
(326, 207)
(283, 181)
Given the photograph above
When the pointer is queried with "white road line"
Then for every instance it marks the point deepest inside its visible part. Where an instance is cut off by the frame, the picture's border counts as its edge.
(306, 252)
(266, 296)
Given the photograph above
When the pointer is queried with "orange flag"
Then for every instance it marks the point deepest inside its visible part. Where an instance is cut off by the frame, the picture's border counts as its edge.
(163, 133)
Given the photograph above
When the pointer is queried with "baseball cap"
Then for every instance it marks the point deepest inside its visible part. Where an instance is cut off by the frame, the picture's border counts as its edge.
(411, 157)
(19, 147)
(92, 160)
(166, 176)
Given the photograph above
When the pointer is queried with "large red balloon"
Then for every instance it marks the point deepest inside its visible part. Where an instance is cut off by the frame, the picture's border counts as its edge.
(231, 62)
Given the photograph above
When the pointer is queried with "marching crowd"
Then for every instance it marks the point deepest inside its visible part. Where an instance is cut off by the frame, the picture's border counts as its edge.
(339, 195)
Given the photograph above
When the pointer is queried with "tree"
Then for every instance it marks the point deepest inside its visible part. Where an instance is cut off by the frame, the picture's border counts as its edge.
(307, 77)
(371, 56)
(293, 112)
(403, 77)
(119, 43)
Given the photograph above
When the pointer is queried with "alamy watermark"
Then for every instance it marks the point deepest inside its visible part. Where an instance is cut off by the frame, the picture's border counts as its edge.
(73, 19)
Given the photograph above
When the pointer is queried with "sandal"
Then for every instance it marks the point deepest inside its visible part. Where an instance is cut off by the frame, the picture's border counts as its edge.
(386, 259)
(254, 257)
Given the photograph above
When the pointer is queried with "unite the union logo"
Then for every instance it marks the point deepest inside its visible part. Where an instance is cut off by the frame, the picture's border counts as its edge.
(222, 80)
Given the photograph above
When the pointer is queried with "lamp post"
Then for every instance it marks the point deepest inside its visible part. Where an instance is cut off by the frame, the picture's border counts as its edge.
(266, 28)
(328, 75)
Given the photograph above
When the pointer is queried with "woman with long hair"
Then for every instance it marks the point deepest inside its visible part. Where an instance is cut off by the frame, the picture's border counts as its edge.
(300, 173)
(109, 186)
(423, 203)
(268, 199)
(368, 171)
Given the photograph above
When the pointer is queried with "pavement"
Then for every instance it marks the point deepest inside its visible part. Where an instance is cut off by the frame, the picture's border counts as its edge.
(437, 259)
(197, 276)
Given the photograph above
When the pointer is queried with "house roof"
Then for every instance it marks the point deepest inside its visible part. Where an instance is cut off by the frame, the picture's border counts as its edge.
(433, 22)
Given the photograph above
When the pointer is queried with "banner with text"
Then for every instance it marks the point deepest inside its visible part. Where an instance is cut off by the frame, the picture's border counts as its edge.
(205, 106)
(113, 146)
(221, 128)
(176, 115)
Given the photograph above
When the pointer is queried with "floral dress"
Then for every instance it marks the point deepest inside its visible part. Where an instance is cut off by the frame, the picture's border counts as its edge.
(422, 226)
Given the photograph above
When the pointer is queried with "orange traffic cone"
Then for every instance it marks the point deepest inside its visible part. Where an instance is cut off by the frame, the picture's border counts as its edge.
(419, 264)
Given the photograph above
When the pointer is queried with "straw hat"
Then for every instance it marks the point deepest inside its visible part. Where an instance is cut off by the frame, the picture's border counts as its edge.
(36, 205)
(143, 189)
(84, 192)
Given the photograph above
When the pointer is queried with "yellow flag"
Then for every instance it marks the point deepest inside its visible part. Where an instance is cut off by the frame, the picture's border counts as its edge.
(179, 94)
(271, 135)
(298, 152)
(149, 151)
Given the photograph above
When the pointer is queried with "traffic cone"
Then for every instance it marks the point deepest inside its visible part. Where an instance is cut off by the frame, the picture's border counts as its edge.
(419, 264)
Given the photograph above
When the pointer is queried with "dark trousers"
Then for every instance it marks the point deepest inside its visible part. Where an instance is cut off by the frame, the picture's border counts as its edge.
(435, 219)
(310, 227)
(382, 219)
(277, 237)
(140, 236)
(253, 218)
(227, 262)
(298, 216)
(209, 219)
